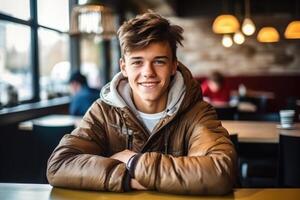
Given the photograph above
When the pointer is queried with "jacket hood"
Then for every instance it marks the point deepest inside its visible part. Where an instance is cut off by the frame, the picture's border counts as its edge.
(118, 93)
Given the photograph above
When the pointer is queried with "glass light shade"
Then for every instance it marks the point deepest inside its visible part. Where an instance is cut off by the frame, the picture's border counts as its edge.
(224, 24)
(268, 35)
(248, 27)
(238, 37)
(93, 19)
(292, 31)
(227, 41)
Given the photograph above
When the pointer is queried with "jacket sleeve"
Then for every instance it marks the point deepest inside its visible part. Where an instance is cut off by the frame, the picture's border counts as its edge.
(80, 162)
(209, 167)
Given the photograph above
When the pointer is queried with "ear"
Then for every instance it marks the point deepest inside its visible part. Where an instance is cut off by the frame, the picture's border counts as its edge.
(123, 67)
(174, 67)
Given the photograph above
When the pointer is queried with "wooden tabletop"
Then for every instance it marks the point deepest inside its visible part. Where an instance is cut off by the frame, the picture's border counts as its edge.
(258, 132)
(51, 120)
(10, 191)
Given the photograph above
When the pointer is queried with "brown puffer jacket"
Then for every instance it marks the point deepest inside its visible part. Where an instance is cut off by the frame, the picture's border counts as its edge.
(188, 153)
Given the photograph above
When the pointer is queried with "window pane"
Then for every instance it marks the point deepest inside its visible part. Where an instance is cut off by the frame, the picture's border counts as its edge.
(15, 71)
(90, 61)
(54, 63)
(16, 8)
(91, 50)
(82, 2)
(54, 14)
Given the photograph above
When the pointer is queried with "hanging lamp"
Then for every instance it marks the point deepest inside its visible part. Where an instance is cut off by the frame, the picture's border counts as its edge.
(268, 35)
(225, 24)
(227, 41)
(93, 18)
(238, 37)
(248, 26)
(292, 31)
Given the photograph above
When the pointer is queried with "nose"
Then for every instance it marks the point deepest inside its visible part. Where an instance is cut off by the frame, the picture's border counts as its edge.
(148, 70)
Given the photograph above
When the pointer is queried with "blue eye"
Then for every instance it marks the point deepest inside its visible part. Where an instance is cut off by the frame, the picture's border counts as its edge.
(159, 62)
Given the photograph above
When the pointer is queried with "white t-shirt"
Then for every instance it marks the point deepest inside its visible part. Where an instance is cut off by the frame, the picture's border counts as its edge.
(150, 120)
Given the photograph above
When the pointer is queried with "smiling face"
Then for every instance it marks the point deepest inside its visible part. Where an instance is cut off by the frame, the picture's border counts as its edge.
(149, 71)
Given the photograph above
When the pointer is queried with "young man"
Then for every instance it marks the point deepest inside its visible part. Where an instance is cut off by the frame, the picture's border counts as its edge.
(150, 130)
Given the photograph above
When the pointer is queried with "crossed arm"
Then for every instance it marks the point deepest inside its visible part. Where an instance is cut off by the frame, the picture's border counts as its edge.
(80, 162)
(124, 157)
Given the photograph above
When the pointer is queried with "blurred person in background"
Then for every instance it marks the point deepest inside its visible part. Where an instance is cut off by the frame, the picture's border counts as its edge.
(215, 89)
(82, 95)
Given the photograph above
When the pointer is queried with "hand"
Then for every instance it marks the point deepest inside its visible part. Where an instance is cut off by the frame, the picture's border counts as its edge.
(123, 156)
(136, 185)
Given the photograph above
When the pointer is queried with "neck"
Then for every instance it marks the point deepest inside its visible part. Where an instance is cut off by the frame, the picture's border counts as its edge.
(151, 107)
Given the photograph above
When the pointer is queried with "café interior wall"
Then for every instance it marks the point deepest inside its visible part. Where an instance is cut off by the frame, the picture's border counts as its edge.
(203, 52)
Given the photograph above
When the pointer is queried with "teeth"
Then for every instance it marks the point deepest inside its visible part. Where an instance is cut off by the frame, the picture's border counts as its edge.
(148, 84)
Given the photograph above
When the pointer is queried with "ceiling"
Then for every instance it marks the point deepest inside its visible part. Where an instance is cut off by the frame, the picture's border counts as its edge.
(212, 8)
(209, 8)
(190, 8)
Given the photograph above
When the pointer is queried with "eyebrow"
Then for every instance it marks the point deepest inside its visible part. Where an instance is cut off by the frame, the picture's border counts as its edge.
(135, 58)
(157, 57)
(162, 57)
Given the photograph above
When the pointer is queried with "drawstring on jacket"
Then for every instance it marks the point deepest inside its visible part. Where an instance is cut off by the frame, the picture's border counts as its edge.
(166, 137)
(127, 132)
(166, 140)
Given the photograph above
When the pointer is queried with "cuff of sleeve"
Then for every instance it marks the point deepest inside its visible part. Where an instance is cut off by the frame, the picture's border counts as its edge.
(126, 182)
(132, 164)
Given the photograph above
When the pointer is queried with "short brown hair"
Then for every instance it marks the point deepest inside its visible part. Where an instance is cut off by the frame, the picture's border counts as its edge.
(142, 30)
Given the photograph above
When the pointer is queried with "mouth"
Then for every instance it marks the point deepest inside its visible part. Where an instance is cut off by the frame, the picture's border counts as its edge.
(149, 84)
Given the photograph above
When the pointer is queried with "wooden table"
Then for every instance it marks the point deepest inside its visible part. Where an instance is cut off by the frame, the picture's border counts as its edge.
(248, 131)
(258, 132)
(11, 191)
(51, 120)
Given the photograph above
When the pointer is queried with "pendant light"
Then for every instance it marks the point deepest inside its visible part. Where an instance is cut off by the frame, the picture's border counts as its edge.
(248, 26)
(225, 24)
(268, 35)
(292, 31)
(238, 38)
(227, 41)
(93, 18)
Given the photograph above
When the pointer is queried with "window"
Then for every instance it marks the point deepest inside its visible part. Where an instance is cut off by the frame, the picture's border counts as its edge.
(54, 14)
(53, 47)
(29, 45)
(90, 61)
(54, 63)
(15, 71)
(20, 9)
